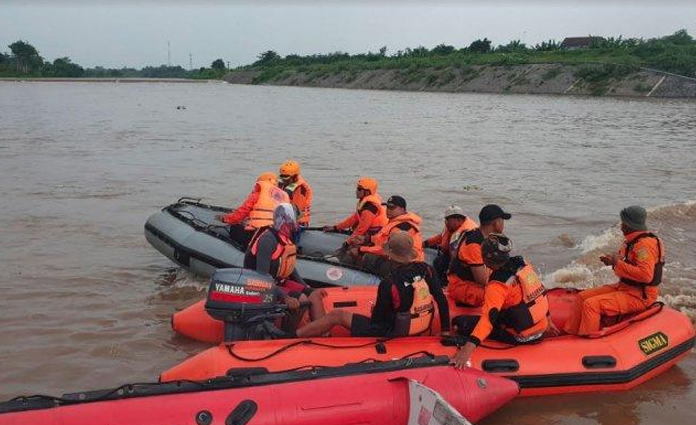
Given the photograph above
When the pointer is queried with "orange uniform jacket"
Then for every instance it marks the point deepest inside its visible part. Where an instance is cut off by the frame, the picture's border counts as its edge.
(408, 222)
(300, 193)
(500, 296)
(272, 197)
(460, 280)
(369, 214)
(640, 265)
(242, 211)
(444, 239)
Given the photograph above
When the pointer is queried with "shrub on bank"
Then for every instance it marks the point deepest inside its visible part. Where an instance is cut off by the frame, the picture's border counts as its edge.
(675, 53)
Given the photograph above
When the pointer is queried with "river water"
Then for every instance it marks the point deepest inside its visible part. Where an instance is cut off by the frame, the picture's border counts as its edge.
(86, 302)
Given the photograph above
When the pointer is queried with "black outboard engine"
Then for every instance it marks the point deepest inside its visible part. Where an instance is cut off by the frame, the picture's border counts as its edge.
(244, 300)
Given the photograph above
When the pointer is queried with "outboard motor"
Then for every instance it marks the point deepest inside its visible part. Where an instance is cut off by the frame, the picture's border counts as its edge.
(244, 300)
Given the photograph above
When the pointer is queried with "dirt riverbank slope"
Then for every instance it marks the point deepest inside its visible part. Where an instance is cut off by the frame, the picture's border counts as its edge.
(593, 79)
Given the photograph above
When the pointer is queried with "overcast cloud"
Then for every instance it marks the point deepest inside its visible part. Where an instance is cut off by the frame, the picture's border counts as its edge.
(116, 34)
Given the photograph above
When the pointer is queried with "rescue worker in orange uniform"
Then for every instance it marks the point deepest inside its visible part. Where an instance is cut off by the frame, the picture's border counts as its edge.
(273, 252)
(404, 304)
(638, 266)
(371, 255)
(369, 214)
(515, 307)
(299, 191)
(257, 209)
(456, 224)
(467, 275)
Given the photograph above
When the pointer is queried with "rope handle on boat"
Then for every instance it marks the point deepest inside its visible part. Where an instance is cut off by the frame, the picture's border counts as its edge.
(122, 391)
(321, 228)
(195, 220)
(409, 357)
(459, 341)
(189, 200)
(230, 348)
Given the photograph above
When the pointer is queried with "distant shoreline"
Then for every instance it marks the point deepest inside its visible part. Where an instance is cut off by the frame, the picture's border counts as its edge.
(106, 80)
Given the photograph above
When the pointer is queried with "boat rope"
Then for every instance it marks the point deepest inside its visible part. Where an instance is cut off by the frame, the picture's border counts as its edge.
(123, 390)
(230, 348)
(409, 357)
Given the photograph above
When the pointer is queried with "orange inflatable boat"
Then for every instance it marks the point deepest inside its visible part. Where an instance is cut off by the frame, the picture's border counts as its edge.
(390, 393)
(618, 357)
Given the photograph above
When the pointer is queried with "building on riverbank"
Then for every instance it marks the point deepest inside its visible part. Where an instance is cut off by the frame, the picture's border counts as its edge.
(577, 43)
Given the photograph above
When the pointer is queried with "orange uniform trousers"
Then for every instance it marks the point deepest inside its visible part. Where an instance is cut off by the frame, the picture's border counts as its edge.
(607, 300)
(466, 292)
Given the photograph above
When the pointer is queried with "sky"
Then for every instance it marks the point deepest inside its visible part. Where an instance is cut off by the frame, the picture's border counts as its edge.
(135, 34)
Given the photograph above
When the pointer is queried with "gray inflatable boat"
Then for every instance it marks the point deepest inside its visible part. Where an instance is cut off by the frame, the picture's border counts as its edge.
(188, 234)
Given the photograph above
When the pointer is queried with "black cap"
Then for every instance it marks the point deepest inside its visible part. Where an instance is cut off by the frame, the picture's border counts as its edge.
(396, 201)
(490, 212)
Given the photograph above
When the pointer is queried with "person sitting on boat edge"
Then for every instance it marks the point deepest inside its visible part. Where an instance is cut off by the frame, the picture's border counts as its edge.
(515, 307)
(456, 224)
(273, 252)
(638, 266)
(297, 188)
(257, 209)
(467, 274)
(369, 215)
(371, 255)
(404, 304)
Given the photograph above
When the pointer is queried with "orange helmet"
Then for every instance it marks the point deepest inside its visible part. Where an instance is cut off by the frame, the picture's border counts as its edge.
(268, 176)
(368, 183)
(290, 168)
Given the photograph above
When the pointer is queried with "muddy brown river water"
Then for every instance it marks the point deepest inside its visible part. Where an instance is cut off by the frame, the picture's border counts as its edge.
(85, 302)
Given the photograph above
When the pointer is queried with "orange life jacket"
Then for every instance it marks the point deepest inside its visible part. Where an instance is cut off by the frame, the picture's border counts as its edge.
(452, 240)
(458, 267)
(524, 318)
(422, 310)
(303, 203)
(270, 196)
(283, 258)
(659, 264)
(381, 217)
(382, 237)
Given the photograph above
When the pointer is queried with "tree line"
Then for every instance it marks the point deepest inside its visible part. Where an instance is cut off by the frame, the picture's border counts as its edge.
(673, 53)
(24, 60)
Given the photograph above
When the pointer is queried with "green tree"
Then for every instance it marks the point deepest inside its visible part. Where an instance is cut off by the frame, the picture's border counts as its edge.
(218, 65)
(26, 56)
(63, 67)
(164, 71)
(547, 46)
(679, 37)
(267, 58)
(480, 46)
(515, 46)
(442, 49)
(418, 52)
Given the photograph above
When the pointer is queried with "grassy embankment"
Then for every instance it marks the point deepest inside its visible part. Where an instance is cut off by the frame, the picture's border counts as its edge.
(606, 60)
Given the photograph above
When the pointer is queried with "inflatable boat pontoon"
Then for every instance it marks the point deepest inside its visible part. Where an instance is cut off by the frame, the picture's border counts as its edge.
(188, 234)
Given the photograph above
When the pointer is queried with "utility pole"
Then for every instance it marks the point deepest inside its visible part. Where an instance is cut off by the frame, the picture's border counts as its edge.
(190, 62)
(169, 54)
(228, 65)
